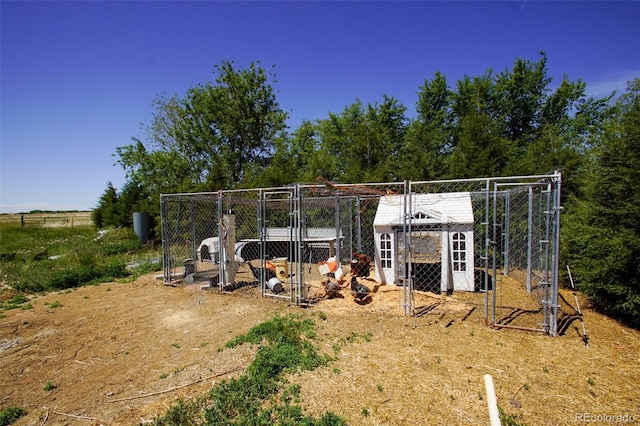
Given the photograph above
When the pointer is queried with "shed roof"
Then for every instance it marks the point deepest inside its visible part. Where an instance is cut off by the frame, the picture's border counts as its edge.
(436, 208)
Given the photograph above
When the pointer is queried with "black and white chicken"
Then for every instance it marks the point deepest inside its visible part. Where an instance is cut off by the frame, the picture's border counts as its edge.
(359, 291)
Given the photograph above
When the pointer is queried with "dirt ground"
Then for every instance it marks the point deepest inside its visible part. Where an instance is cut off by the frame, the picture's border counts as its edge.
(122, 353)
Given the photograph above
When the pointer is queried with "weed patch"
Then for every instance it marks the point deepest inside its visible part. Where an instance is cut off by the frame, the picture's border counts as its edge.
(260, 395)
(10, 414)
(509, 419)
(49, 386)
(17, 301)
(35, 259)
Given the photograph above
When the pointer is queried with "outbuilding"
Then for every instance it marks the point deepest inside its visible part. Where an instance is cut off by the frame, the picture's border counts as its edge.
(441, 237)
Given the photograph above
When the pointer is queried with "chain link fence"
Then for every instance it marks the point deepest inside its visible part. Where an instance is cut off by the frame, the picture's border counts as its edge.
(494, 238)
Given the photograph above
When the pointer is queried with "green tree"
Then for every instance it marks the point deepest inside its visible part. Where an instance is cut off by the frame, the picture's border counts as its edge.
(387, 128)
(106, 212)
(520, 97)
(479, 150)
(479, 147)
(513, 123)
(602, 233)
(428, 137)
(569, 123)
(115, 208)
(212, 137)
(278, 172)
(363, 143)
(307, 153)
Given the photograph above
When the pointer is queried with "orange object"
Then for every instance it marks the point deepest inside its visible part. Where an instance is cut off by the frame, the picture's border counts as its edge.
(329, 266)
(333, 265)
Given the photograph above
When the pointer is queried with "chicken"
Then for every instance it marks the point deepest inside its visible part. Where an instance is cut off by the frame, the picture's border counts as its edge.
(360, 265)
(331, 289)
(359, 291)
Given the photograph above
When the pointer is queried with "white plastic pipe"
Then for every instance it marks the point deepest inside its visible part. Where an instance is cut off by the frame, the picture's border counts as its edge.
(494, 416)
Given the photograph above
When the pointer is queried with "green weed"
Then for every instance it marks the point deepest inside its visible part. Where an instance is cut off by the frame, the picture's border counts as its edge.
(10, 414)
(49, 386)
(17, 301)
(285, 346)
(509, 419)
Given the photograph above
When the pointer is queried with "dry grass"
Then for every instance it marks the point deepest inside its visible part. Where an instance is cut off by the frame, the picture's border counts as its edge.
(117, 341)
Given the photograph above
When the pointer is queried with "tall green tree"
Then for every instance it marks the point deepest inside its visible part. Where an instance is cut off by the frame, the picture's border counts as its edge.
(480, 150)
(514, 123)
(520, 96)
(479, 145)
(363, 143)
(569, 122)
(387, 128)
(428, 137)
(278, 172)
(307, 153)
(212, 137)
(115, 208)
(106, 212)
(602, 233)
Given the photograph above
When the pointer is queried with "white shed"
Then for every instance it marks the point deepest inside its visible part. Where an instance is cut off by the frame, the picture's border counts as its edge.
(441, 240)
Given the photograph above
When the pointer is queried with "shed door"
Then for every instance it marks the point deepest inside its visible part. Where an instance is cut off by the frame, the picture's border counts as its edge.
(461, 256)
(387, 262)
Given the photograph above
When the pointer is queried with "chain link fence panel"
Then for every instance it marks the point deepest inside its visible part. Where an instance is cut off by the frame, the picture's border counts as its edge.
(494, 238)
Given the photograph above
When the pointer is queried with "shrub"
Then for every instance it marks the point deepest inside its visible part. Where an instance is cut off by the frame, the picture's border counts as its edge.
(75, 277)
(43, 259)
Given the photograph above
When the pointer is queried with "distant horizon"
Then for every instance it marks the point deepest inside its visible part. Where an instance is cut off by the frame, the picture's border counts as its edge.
(47, 211)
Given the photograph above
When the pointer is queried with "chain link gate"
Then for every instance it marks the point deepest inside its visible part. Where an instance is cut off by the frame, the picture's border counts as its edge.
(526, 225)
(188, 220)
(496, 238)
(509, 227)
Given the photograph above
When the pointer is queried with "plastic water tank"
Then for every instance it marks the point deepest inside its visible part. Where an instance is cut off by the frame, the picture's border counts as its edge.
(141, 222)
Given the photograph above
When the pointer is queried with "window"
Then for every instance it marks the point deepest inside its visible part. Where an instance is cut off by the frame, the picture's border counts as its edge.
(385, 250)
(459, 252)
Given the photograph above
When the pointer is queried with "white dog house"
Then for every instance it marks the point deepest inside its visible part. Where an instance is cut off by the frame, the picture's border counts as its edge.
(441, 239)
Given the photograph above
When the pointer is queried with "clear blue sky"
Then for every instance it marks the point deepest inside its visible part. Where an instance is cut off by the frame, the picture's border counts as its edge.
(78, 78)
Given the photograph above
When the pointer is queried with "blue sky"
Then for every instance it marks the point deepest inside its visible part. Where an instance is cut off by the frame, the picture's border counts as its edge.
(78, 78)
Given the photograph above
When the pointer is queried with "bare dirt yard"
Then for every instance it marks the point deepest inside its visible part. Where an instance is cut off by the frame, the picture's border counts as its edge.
(122, 353)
